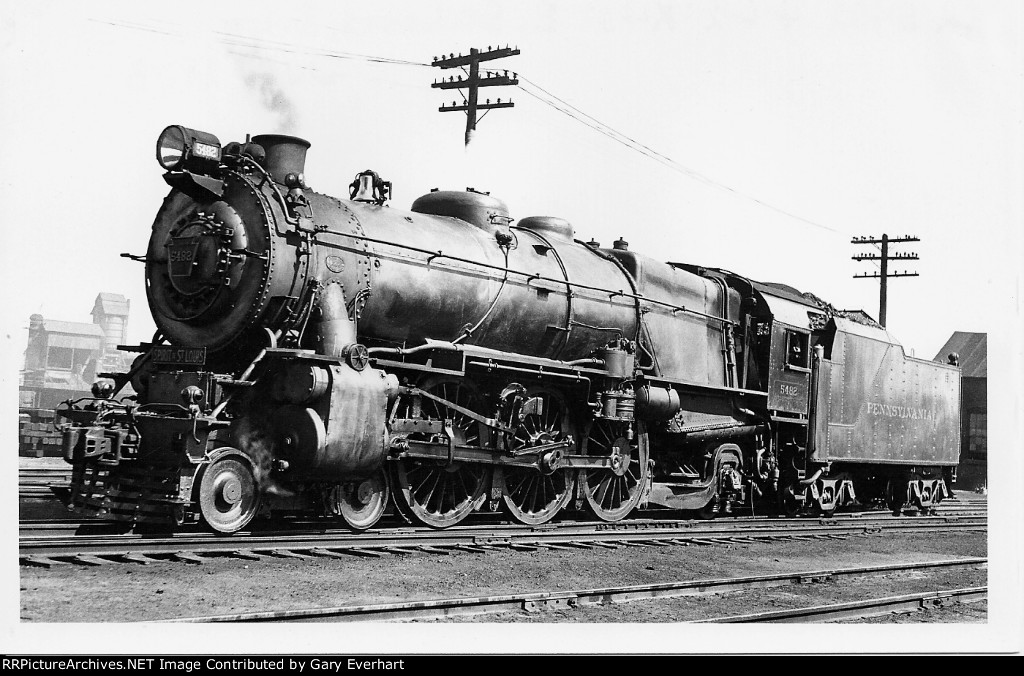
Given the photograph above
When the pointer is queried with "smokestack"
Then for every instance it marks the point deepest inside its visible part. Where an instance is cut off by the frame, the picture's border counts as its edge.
(285, 154)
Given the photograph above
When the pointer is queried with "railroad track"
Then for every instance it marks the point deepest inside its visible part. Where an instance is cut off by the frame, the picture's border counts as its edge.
(553, 600)
(87, 549)
(76, 525)
(35, 482)
(866, 608)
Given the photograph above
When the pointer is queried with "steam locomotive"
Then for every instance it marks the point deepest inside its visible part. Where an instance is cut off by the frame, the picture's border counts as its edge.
(340, 357)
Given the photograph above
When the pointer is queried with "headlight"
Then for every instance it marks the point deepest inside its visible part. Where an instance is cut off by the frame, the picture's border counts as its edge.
(180, 148)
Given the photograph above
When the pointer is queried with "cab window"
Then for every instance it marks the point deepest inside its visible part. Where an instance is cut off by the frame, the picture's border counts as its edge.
(797, 353)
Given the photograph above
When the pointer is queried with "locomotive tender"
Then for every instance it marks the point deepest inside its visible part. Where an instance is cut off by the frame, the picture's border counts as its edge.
(333, 355)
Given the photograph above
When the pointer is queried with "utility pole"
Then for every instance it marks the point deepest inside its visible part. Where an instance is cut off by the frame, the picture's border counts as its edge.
(473, 82)
(884, 257)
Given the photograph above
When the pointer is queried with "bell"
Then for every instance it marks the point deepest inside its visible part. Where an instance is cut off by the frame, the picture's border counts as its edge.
(364, 193)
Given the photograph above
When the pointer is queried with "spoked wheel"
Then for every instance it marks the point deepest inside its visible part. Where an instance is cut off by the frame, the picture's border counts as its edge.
(613, 493)
(362, 503)
(228, 495)
(438, 493)
(530, 496)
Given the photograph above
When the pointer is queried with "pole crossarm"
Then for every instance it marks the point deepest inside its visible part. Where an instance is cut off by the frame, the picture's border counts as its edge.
(871, 240)
(473, 82)
(479, 106)
(460, 60)
(884, 257)
(496, 81)
(875, 257)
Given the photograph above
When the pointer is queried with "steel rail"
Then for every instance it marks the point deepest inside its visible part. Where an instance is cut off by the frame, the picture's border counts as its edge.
(32, 531)
(51, 551)
(643, 518)
(96, 526)
(866, 608)
(533, 601)
(498, 532)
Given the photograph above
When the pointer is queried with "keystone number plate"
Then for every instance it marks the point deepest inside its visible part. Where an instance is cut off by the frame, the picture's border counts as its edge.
(182, 255)
(184, 356)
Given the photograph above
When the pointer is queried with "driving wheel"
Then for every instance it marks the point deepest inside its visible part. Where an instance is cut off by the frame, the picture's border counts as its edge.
(435, 492)
(531, 496)
(613, 492)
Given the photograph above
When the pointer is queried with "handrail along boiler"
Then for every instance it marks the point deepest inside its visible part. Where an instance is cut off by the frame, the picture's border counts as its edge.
(338, 355)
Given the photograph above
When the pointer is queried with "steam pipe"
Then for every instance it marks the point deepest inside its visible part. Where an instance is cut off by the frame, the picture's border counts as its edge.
(335, 331)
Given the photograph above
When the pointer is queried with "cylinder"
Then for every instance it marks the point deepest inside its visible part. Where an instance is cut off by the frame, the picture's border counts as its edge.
(300, 383)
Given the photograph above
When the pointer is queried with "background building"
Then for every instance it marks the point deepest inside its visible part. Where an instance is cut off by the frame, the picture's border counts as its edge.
(973, 351)
(62, 361)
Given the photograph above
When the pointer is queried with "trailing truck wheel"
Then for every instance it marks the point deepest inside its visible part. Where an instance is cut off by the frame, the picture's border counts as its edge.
(613, 493)
(788, 503)
(532, 497)
(228, 493)
(708, 511)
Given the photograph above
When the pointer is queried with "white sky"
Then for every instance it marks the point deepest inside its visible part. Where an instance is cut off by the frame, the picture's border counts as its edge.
(863, 117)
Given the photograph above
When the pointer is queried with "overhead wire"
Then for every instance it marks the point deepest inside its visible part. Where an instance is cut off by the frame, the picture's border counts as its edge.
(567, 109)
(541, 94)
